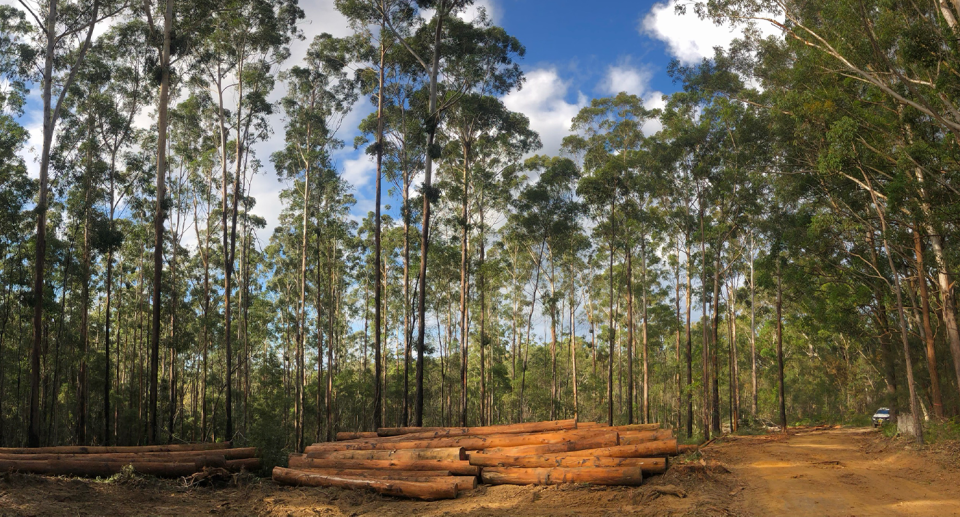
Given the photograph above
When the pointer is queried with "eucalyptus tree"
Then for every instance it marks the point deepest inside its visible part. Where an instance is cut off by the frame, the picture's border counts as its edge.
(369, 21)
(247, 42)
(484, 138)
(427, 40)
(16, 55)
(120, 95)
(673, 155)
(898, 52)
(65, 30)
(318, 97)
(608, 137)
(191, 20)
(548, 212)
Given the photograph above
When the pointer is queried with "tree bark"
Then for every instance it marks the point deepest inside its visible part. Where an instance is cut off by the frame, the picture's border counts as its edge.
(377, 275)
(780, 382)
(928, 337)
(433, 122)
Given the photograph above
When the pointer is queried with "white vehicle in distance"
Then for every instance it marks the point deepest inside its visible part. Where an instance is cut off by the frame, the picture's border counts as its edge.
(881, 417)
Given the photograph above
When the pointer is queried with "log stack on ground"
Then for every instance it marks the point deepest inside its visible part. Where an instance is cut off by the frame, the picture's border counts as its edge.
(155, 460)
(432, 463)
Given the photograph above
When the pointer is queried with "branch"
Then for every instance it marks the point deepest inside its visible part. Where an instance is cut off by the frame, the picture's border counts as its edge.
(29, 10)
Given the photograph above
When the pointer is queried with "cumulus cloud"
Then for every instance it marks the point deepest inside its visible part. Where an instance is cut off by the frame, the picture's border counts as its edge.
(624, 77)
(688, 38)
(490, 6)
(543, 100)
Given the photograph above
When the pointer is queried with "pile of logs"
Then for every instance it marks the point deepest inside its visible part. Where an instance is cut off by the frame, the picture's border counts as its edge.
(436, 462)
(154, 460)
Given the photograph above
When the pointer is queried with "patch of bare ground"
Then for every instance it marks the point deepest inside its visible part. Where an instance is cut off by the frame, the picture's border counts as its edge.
(841, 472)
(811, 472)
(697, 489)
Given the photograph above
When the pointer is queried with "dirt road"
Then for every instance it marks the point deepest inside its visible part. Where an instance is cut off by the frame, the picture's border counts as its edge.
(842, 472)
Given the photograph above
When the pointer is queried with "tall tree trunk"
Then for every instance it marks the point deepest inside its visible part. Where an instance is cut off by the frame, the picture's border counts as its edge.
(904, 338)
(481, 280)
(753, 336)
(714, 341)
(433, 122)
(407, 330)
(330, 342)
(378, 278)
(318, 304)
(677, 376)
(780, 389)
(553, 338)
(944, 277)
(573, 345)
(928, 337)
(705, 410)
(734, 369)
(85, 316)
(689, 336)
(631, 388)
(464, 285)
(299, 424)
(162, 122)
(646, 362)
(51, 112)
(612, 332)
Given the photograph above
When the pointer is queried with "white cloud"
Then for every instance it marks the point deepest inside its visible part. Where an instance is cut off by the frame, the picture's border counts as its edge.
(689, 38)
(625, 77)
(491, 7)
(543, 100)
(359, 171)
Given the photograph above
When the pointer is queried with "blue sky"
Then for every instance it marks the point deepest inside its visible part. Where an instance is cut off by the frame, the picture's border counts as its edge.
(576, 51)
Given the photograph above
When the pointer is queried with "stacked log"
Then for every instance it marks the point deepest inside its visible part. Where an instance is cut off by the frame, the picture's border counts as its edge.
(155, 460)
(438, 462)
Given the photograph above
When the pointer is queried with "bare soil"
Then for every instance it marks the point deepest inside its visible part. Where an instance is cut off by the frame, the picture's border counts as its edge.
(841, 472)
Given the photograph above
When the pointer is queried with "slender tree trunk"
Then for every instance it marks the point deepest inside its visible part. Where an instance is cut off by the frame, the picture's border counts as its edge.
(434, 121)
(573, 345)
(780, 389)
(904, 338)
(318, 304)
(944, 277)
(715, 340)
(483, 322)
(85, 316)
(753, 336)
(554, 398)
(51, 113)
(407, 331)
(705, 356)
(302, 316)
(464, 284)
(677, 375)
(330, 342)
(162, 121)
(689, 329)
(378, 279)
(612, 332)
(928, 337)
(631, 388)
(533, 304)
(646, 362)
(734, 369)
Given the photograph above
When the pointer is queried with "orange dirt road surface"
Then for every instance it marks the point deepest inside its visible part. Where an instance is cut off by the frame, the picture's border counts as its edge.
(838, 472)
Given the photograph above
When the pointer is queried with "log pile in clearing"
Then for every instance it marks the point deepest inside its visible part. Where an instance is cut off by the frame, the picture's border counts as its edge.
(438, 462)
(154, 460)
